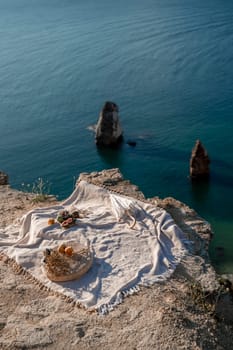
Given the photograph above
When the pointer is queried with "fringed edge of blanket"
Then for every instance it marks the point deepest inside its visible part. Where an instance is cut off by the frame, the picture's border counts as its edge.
(121, 295)
(19, 270)
(135, 288)
(102, 309)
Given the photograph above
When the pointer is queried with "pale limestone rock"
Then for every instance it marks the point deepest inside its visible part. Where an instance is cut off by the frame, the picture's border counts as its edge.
(163, 316)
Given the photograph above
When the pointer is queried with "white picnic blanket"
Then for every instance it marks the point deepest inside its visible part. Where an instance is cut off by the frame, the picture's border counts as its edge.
(127, 253)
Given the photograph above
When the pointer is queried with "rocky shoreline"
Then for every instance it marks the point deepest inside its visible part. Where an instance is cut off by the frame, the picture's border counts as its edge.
(192, 310)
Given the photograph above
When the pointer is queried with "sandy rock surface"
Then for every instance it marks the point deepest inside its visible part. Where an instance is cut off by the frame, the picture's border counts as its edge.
(168, 315)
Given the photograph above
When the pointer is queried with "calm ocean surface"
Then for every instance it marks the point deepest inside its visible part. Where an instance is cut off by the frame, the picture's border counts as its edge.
(167, 64)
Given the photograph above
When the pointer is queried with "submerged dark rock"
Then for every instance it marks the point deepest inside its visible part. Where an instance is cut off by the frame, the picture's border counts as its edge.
(131, 143)
(108, 129)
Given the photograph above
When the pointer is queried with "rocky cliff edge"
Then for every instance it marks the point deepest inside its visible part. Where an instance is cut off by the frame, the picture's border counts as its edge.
(192, 310)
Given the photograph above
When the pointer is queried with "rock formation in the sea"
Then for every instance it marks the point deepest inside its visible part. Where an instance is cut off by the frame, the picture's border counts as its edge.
(199, 162)
(108, 129)
(3, 178)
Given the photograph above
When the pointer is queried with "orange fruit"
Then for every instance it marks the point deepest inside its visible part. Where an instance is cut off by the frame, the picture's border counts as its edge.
(62, 248)
(69, 251)
(51, 221)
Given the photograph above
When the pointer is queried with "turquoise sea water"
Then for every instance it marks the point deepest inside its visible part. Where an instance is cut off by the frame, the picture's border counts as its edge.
(167, 64)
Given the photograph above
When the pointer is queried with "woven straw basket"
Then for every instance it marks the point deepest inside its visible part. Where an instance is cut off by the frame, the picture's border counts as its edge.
(61, 268)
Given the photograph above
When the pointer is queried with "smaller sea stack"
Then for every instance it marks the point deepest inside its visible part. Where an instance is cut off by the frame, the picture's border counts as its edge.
(199, 162)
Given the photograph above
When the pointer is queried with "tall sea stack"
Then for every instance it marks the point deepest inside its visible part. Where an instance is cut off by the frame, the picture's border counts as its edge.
(108, 129)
